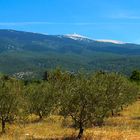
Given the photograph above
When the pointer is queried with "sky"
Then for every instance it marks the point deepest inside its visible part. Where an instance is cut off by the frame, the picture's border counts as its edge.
(97, 19)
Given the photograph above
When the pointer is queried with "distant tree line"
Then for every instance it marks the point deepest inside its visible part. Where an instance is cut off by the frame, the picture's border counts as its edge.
(87, 98)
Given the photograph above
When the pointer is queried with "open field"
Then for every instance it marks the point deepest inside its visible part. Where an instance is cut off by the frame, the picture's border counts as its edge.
(124, 127)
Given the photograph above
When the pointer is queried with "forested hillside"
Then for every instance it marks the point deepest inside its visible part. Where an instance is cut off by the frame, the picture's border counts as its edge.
(27, 54)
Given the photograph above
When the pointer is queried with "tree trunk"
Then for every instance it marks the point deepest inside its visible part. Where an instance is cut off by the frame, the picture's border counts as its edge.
(112, 112)
(81, 130)
(99, 122)
(3, 125)
(40, 116)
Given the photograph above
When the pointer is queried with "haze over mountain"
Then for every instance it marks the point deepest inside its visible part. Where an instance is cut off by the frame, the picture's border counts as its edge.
(30, 53)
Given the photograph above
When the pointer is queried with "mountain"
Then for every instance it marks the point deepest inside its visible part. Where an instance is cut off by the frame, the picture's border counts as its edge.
(25, 53)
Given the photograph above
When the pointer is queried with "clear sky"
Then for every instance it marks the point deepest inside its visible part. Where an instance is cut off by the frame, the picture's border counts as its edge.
(97, 19)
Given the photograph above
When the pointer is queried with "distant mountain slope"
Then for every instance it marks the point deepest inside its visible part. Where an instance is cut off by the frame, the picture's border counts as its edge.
(32, 52)
(17, 40)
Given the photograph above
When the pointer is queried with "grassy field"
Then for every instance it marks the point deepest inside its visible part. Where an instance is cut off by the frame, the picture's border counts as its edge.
(124, 127)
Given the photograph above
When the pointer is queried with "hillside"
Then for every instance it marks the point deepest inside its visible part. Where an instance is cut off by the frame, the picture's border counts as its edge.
(27, 53)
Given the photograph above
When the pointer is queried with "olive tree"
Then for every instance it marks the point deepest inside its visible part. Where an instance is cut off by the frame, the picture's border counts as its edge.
(10, 90)
(119, 91)
(82, 101)
(40, 99)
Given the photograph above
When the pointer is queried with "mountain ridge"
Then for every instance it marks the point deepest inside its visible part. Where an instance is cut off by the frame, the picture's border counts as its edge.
(34, 52)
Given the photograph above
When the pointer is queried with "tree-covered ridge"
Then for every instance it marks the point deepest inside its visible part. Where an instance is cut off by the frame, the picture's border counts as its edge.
(29, 54)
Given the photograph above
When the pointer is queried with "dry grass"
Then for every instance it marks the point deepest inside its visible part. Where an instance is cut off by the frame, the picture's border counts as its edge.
(124, 127)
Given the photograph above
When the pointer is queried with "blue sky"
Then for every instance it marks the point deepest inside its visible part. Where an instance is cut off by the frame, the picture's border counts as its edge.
(97, 19)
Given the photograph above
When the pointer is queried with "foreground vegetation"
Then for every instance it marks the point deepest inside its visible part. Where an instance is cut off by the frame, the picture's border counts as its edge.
(65, 101)
(125, 126)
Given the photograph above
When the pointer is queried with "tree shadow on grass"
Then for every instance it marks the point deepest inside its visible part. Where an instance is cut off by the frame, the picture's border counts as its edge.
(66, 138)
(135, 118)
